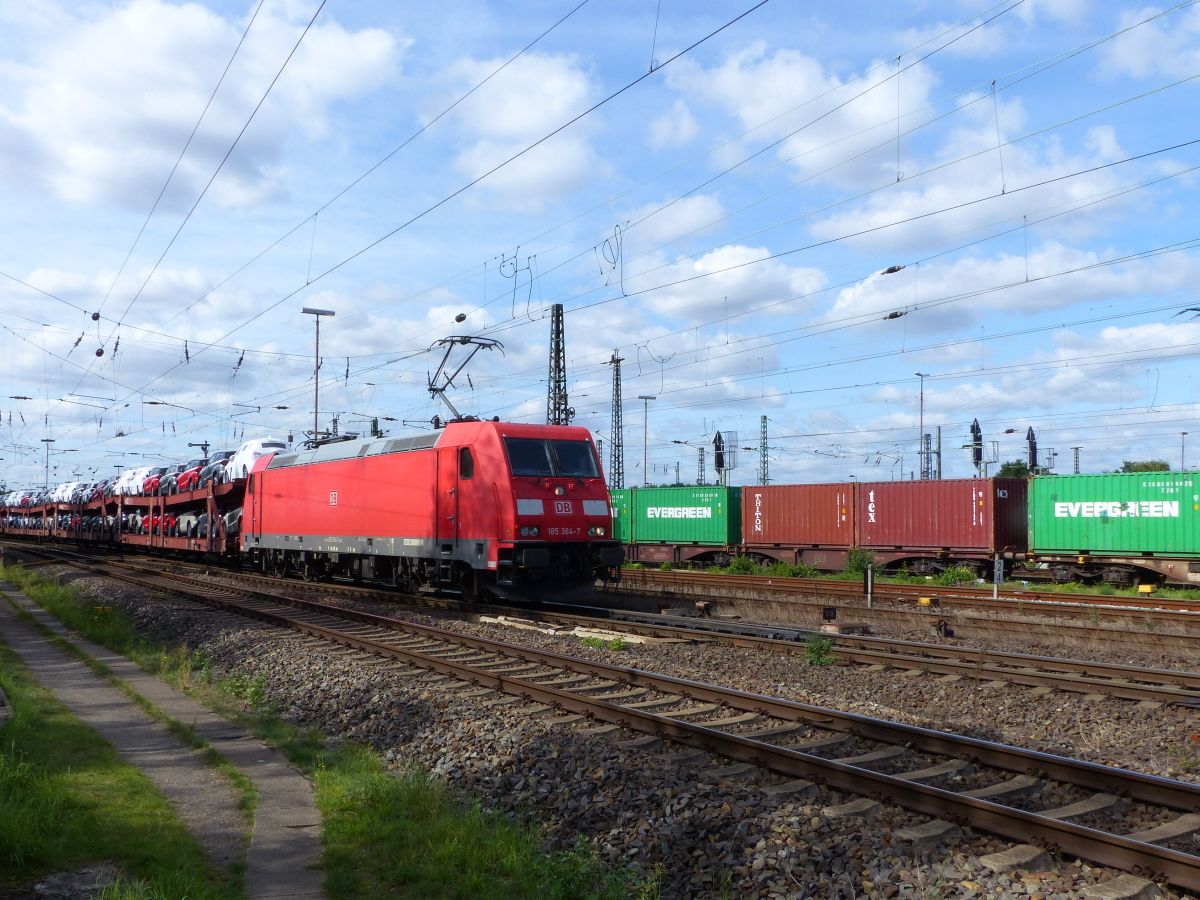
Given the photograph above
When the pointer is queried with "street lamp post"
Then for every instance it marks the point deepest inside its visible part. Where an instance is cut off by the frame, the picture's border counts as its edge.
(47, 442)
(316, 314)
(646, 398)
(921, 426)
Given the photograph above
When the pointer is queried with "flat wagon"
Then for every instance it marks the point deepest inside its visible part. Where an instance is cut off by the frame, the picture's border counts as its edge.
(929, 526)
(799, 523)
(1117, 528)
(694, 523)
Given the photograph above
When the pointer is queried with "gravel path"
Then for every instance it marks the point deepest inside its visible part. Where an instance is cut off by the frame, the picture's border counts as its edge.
(282, 858)
(200, 795)
(706, 833)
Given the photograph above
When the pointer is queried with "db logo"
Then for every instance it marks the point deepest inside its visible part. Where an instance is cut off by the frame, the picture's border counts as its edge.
(563, 507)
(333, 498)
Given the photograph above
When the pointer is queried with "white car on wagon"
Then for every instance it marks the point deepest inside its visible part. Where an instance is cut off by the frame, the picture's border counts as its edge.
(249, 453)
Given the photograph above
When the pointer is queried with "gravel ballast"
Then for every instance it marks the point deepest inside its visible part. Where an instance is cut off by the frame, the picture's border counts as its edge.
(706, 832)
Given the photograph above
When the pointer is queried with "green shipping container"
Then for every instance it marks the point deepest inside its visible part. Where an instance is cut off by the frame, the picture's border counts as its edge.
(622, 510)
(711, 516)
(1119, 514)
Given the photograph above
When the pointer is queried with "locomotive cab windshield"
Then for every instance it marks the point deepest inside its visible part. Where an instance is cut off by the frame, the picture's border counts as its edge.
(537, 457)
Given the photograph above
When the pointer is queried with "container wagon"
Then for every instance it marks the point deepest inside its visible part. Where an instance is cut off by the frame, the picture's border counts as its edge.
(622, 514)
(700, 524)
(1117, 528)
(929, 526)
(799, 523)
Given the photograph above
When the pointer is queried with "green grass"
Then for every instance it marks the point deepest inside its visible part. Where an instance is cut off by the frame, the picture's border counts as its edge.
(384, 833)
(67, 800)
(408, 836)
(597, 643)
(818, 651)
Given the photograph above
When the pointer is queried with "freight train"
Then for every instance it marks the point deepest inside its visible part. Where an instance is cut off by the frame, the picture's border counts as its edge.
(485, 508)
(1118, 529)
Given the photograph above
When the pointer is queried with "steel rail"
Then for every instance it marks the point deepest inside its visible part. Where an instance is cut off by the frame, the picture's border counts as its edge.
(1109, 849)
(1149, 788)
(1077, 676)
(968, 596)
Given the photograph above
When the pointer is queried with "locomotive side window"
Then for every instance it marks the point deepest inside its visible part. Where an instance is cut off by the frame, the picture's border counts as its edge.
(466, 463)
(536, 457)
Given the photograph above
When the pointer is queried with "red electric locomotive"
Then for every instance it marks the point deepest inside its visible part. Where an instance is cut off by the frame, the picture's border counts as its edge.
(484, 507)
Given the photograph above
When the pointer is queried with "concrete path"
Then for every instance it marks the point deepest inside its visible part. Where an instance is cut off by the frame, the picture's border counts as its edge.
(283, 859)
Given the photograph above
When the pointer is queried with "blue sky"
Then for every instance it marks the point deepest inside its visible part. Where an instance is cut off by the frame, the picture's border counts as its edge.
(725, 224)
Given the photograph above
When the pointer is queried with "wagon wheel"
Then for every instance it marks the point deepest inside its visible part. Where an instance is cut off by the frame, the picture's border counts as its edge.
(280, 567)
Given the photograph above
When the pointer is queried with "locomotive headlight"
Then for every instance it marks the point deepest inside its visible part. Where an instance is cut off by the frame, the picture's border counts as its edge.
(596, 531)
(559, 490)
(529, 531)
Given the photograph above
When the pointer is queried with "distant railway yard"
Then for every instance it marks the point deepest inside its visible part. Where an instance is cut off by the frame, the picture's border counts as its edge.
(702, 729)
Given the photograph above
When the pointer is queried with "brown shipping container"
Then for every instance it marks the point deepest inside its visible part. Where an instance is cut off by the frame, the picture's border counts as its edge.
(986, 514)
(798, 515)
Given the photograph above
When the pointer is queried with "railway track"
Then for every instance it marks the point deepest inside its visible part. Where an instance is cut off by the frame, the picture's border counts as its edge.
(1113, 816)
(1134, 683)
(1081, 604)
(1078, 676)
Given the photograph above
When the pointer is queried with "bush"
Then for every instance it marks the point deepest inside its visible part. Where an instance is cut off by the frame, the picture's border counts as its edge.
(956, 575)
(858, 560)
(741, 565)
(664, 567)
(818, 651)
(792, 570)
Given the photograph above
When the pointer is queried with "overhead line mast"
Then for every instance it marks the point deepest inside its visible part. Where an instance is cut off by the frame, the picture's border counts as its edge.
(616, 457)
(558, 411)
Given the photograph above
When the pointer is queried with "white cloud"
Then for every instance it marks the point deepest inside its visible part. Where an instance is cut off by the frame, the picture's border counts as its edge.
(880, 294)
(733, 279)
(102, 111)
(529, 99)
(674, 128)
(1068, 11)
(942, 205)
(694, 214)
(781, 92)
(549, 170)
(1168, 46)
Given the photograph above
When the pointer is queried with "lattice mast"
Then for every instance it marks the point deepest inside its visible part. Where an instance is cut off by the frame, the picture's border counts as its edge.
(616, 458)
(558, 411)
(763, 475)
(926, 457)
